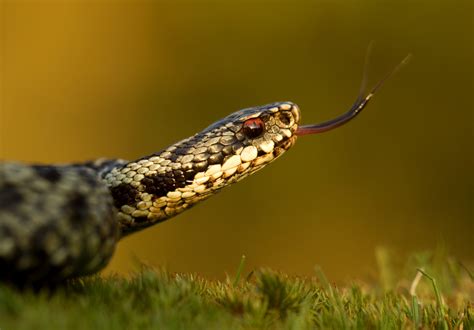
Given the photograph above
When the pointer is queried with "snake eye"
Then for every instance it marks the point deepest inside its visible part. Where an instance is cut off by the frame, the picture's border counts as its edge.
(253, 128)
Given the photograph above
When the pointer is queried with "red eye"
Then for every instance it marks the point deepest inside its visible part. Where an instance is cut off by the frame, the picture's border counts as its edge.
(253, 128)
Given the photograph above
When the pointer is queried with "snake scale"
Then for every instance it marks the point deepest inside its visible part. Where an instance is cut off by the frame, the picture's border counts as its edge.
(64, 221)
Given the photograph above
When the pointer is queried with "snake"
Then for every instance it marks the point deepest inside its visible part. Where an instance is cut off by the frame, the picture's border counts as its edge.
(59, 222)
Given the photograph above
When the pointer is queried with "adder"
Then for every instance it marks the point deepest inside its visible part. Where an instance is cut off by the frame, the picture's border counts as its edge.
(63, 221)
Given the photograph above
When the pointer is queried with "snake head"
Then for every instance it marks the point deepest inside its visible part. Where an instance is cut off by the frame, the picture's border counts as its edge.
(246, 140)
(159, 186)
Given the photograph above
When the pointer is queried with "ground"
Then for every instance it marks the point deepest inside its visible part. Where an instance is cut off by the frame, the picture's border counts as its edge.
(438, 296)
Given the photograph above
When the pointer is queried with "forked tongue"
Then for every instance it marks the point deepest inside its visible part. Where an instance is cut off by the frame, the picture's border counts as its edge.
(358, 105)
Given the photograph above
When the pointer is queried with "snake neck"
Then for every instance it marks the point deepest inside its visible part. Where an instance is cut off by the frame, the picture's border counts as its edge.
(157, 187)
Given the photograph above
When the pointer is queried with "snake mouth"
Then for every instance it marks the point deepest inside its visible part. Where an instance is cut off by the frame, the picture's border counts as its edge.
(284, 144)
(360, 103)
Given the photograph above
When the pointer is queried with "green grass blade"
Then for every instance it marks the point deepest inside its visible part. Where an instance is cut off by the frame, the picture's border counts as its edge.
(239, 271)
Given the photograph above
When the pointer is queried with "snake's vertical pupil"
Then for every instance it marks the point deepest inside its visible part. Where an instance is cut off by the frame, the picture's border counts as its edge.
(253, 128)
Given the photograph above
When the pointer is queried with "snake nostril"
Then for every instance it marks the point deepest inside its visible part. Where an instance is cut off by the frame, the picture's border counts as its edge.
(286, 118)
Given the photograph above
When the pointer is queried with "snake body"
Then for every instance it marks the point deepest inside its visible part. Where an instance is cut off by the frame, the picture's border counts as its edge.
(60, 222)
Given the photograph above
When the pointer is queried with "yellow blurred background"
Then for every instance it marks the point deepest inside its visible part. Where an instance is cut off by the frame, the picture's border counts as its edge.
(122, 79)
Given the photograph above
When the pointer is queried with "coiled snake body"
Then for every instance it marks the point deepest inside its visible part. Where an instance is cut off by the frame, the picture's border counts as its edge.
(60, 222)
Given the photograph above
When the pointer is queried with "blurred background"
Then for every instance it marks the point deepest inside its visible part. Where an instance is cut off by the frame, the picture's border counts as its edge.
(88, 79)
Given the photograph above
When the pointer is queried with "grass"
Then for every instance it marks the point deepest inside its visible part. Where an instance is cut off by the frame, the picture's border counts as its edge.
(429, 292)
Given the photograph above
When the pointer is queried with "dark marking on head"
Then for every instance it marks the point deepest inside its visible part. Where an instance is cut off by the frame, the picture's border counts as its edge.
(124, 194)
(49, 173)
